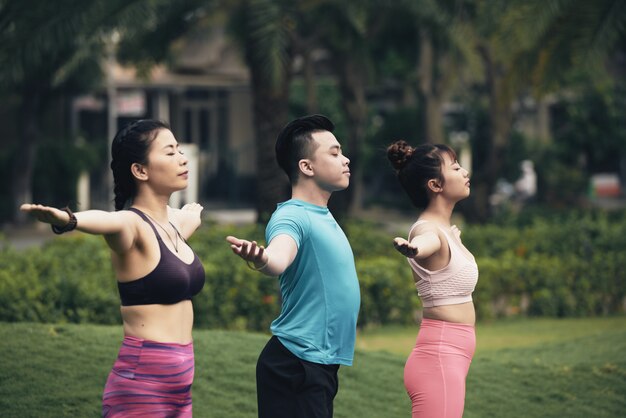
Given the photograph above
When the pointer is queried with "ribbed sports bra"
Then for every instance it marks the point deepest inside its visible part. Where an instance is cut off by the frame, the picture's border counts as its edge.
(450, 285)
(171, 281)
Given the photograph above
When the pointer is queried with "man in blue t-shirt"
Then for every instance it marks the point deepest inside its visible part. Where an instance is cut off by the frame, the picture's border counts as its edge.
(316, 328)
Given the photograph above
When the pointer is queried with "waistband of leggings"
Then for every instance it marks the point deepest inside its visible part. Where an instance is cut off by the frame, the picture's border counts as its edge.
(136, 341)
(437, 323)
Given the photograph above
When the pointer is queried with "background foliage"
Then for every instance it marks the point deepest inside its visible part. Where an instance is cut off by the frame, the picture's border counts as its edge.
(559, 266)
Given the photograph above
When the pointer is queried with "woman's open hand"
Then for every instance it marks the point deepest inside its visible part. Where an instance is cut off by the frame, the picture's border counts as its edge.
(47, 214)
(405, 248)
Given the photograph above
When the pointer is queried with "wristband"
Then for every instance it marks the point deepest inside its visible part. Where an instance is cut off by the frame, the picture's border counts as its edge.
(70, 226)
(258, 268)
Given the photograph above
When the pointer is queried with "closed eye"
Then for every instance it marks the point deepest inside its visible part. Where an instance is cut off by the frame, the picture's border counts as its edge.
(178, 150)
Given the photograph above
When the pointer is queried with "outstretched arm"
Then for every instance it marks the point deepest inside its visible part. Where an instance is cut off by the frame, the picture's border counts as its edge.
(119, 228)
(422, 245)
(188, 218)
(272, 260)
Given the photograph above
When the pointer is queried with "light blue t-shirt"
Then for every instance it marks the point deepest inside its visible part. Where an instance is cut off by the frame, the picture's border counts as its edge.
(320, 289)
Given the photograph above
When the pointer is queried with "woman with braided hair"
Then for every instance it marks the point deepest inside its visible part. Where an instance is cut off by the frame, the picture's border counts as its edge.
(157, 272)
(445, 275)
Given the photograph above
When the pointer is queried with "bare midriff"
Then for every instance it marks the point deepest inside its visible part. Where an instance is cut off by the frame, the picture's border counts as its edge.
(462, 313)
(162, 323)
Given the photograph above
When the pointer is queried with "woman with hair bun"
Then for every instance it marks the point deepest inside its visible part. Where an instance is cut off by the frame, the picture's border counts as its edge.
(445, 275)
(157, 272)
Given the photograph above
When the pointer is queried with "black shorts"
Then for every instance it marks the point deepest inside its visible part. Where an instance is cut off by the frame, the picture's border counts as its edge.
(289, 387)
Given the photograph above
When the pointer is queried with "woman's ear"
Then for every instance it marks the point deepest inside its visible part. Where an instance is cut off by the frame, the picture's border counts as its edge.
(139, 171)
(434, 186)
(306, 167)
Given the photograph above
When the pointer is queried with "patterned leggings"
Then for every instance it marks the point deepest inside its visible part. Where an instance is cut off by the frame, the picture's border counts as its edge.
(150, 379)
(435, 372)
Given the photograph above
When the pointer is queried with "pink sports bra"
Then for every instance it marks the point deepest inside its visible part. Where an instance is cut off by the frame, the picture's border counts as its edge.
(450, 285)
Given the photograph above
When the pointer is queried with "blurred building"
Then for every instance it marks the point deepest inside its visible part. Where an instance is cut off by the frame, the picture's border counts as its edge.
(204, 95)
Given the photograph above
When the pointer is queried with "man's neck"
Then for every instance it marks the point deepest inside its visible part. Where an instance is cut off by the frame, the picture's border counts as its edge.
(311, 194)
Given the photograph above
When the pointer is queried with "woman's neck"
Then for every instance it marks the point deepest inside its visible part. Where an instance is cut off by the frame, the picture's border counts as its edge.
(155, 206)
(438, 211)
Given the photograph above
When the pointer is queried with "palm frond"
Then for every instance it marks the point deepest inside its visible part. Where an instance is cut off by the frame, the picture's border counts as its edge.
(269, 32)
(556, 36)
(41, 40)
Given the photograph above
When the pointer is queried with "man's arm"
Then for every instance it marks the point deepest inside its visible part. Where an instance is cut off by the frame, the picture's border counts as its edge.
(273, 260)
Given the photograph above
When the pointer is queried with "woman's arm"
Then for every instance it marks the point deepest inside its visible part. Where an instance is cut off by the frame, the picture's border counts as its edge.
(188, 218)
(118, 228)
(272, 260)
(424, 242)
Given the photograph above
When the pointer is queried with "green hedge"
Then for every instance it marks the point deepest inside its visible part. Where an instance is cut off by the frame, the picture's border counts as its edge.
(570, 267)
(69, 279)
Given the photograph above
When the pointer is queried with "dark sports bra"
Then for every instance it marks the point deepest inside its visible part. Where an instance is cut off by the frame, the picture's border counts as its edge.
(171, 281)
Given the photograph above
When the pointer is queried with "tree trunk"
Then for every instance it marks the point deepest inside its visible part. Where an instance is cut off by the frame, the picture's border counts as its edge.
(24, 163)
(309, 83)
(269, 46)
(500, 116)
(429, 92)
(352, 88)
(270, 106)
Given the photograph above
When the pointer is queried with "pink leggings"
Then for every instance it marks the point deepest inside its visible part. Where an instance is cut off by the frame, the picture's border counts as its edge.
(435, 372)
(150, 379)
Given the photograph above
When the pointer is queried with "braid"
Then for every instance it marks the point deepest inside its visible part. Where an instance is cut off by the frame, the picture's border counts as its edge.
(124, 187)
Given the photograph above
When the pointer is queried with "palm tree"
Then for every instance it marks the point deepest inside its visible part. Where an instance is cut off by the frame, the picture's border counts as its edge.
(557, 36)
(440, 57)
(43, 44)
(265, 29)
(533, 44)
(346, 28)
(481, 24)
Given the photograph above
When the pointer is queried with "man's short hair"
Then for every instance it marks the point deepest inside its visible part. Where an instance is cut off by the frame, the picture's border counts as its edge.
(295, 142)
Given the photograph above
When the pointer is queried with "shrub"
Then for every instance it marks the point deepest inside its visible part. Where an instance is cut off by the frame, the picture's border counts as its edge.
(566, 267)
(388, 294)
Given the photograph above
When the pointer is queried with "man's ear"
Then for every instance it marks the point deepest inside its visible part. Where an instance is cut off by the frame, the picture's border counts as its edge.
(434, 186)
(139, 171)
(306, 168)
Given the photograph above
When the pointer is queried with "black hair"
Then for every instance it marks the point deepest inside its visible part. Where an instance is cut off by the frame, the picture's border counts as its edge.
(295, 142)
(416, 166)
(130, 145)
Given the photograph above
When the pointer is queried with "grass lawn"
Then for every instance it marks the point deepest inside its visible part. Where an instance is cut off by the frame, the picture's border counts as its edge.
(526, 368)
(535, 368)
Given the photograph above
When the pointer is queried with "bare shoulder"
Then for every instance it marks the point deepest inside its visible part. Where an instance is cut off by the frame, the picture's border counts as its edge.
(424, 227)
(130, 233)
(130, 218)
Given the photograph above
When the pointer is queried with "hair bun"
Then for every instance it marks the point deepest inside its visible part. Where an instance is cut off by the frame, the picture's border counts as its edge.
(399, 153)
